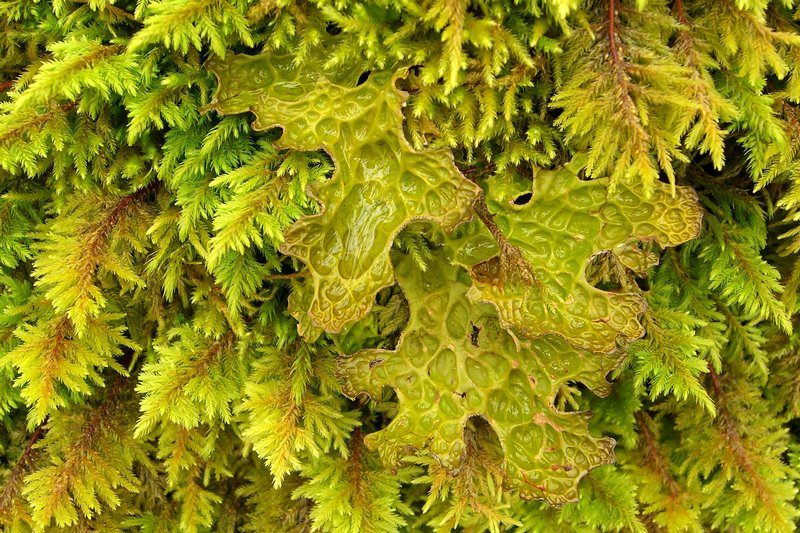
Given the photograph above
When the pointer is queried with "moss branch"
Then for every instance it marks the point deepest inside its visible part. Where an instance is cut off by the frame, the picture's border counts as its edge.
(654, 456)
(513, 265)
(735, 444)
(26, 460)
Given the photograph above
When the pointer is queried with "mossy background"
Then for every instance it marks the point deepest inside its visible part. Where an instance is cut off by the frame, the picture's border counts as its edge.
(152, 375)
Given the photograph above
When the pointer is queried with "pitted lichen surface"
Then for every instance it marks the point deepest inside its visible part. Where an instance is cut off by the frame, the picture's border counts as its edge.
(455, 361)
(565, 223)
(380, 185)
(492, 346)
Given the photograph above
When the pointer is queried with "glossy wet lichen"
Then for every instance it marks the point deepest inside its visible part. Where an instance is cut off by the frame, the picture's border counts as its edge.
(380, 185)
(478, 342)
(455, 361)
(558, 230)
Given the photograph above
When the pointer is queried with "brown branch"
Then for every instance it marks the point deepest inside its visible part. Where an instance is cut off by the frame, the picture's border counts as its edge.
(619, 66)
(612, 31)
(654, 455)
(355, 469)
(201, 365)
(100, 234)
(25, 461)
(512, 264)
(121, 13)
(216, 295)
(510, 261)
(111, 220)
(23, 127)
(224, 344)
(35, 122)
(734, 440)
(89, 431)
(681, 13)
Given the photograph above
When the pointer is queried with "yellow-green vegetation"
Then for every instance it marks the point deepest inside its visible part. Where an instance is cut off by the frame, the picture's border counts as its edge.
(417, 266)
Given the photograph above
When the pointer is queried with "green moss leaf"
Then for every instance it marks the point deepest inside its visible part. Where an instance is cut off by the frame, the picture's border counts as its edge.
(455, 361)
(380, 184)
